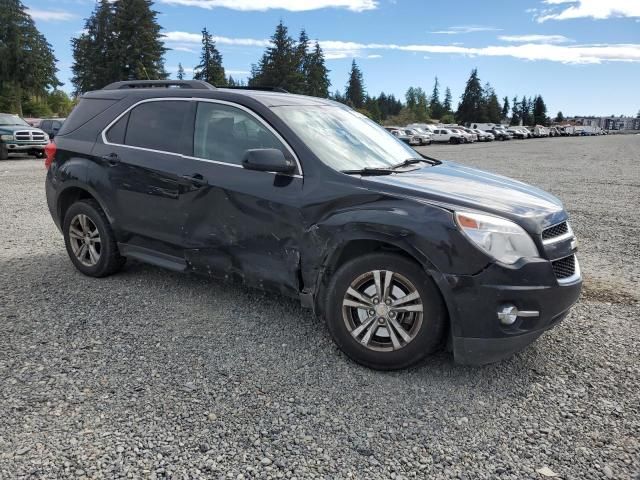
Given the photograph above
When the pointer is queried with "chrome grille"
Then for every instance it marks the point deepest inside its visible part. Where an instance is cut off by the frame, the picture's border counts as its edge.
(555, 231)
(30, 136)
(565, 267)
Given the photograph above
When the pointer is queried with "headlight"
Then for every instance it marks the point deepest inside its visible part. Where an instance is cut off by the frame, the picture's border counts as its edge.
(500, 238)
(6, 138)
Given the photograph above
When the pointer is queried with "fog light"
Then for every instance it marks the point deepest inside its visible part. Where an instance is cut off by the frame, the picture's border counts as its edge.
(508, 314)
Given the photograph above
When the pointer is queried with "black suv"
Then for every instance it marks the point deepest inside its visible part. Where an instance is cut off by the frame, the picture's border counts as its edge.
(398, 252)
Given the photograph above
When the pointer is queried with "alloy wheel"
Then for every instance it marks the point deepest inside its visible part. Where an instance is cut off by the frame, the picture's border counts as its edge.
(85, 240)
(382, 310)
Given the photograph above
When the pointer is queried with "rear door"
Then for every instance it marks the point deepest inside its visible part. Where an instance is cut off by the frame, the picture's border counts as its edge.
(143, 152)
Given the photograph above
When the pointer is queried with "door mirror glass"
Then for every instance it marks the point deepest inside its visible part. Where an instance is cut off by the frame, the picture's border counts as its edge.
(267, 160)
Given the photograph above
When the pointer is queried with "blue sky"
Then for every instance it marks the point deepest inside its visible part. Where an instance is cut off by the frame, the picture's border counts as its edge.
(582, 56)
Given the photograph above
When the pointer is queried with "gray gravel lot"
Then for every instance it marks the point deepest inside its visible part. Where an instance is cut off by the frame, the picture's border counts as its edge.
(149, 374)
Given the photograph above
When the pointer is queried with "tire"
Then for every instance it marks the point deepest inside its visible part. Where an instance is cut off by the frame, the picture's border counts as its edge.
(108, 260)
(38, 154)
(4, 153)
(352, 326)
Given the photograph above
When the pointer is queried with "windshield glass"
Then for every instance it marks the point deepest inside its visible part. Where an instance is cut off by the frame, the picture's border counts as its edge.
(12, 120)
(344, 139)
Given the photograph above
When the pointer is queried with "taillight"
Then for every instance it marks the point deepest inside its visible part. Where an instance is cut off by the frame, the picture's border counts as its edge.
(50, 152)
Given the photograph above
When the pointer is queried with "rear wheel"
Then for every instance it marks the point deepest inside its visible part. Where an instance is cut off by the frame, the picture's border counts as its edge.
(384, 311)
(90, 241)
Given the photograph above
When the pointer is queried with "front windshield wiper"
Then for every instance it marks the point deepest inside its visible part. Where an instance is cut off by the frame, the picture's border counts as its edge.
(412, 161)
(369, 171)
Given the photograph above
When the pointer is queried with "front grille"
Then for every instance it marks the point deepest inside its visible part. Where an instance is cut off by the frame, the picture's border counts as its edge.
(565, 267)
(555, 231)
(29, 136)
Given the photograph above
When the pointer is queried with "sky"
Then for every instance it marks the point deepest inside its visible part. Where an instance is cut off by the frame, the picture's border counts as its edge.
(582, 56)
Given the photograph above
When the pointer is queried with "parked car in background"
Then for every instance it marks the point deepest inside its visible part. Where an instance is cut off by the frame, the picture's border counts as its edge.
(51, 126)
(474, 135)
(402, 135)
(468, 138)
(424, 137)
(445, 135)
(484, 136)
(517, 133)
(540, 131)
(500, 134)
(17, 136)
(398, 253)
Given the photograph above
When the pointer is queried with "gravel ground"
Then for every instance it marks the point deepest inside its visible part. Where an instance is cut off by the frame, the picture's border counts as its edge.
(149, 374)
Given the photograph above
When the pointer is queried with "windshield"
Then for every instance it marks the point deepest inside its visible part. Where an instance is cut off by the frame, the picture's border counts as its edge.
(12, 120)
(344, 139)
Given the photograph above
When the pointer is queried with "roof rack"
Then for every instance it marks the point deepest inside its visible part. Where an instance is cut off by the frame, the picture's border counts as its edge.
(264, 89)
(192, 84)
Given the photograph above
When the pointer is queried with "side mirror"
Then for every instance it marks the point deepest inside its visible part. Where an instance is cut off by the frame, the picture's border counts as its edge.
(267, 160)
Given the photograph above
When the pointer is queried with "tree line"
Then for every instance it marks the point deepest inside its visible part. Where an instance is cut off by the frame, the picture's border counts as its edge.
(122, 40)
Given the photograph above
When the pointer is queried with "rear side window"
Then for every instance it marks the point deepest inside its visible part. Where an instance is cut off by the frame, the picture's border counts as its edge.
(158, 126)
(224, 133)
(45, 125)
(87, 109)
(117, 131)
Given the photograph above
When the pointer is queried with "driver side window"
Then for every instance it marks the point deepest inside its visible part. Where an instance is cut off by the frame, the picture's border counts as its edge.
(224, 133)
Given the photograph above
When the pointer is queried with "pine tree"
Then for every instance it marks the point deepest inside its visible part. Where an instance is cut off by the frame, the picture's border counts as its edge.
(471, 108)
(447, 105)
(435, 106)
(505, 108)
(355, 91)
(525, 111)
(303, 58)
(137, 42)
(515, 112)
(317, 74)
(27, 63)
(417, 104)
(560, 117)
(210, 68)
(180, 73)
(539, 111)
(492, 104)
(279, 65)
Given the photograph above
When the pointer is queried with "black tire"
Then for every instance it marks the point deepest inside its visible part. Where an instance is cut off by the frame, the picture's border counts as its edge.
(110, 260)
(4, 152)
(38, 154)
(427, 337)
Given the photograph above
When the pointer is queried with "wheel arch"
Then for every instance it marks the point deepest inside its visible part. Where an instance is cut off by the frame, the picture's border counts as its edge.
(73, 192)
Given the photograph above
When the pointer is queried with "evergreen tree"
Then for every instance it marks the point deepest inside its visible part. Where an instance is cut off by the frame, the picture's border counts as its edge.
(471, 107)
(180, 74)
(355, 91)
(560, 117)
(279, 65)
(210, 68)
(515, 112)
(505, 108)
(447, 105)
(437, 110)
(27, 63)
(93, 52)
(371, 105)
(303, 61)
(417, 104)
(138, 49)
(121, 41)
(525, 111)
(492, 104)
(317, 75)
(539, 111)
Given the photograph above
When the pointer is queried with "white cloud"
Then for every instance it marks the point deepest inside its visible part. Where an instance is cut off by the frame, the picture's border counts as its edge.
(535, 38)
(51, 15)
(291, 5)
(466, 29)
(535, 51)
(597, 9)
(184, 37)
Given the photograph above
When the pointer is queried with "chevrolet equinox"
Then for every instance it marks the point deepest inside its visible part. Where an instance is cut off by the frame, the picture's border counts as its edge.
(398, 252)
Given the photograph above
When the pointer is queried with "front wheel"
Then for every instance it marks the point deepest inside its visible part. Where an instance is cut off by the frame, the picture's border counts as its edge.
(4, 152)
(384, 311)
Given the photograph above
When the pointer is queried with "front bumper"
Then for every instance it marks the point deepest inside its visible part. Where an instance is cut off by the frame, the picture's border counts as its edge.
(25, 147)
(477, 335)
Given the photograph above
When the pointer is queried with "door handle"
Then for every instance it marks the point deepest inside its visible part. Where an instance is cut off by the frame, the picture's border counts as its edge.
(111, 158)
(196, 179)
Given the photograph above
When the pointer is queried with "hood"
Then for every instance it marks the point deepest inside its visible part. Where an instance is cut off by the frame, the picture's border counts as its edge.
(455, 186)
(16, 128)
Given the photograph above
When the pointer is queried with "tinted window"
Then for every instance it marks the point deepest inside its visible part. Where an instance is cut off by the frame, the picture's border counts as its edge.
(45, 125)
(116, 133)
(56, 124)
(87, 109)
(158, 125)
(225, 133)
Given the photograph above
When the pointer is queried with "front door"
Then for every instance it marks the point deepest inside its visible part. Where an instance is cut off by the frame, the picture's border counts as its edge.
(242, 223)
